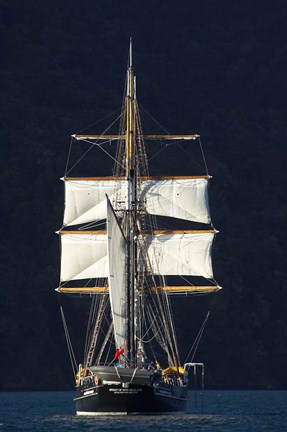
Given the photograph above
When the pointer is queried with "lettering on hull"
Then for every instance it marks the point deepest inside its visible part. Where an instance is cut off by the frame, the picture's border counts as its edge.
(125, 390)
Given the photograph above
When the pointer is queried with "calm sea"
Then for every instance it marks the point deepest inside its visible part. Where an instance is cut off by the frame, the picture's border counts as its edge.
(220, 411)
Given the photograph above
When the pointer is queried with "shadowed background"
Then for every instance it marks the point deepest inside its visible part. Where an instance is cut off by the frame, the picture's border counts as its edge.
(216, 68)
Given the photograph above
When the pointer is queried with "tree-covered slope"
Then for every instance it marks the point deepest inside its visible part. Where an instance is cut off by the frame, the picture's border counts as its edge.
(214, 68)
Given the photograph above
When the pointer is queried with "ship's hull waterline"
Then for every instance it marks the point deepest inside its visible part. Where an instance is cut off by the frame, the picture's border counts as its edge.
(136, 399)
(126, 391)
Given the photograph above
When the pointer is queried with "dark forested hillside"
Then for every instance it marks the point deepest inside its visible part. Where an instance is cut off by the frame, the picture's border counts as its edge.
(217, 68)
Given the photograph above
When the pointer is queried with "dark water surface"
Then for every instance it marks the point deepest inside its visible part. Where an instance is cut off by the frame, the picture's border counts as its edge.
(221, 411)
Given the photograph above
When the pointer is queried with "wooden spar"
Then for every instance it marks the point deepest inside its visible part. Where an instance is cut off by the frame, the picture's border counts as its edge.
(93, 178)
(188, 288)
(168, 289)
(100, 232)
(79, 137)
(98, 137)
(143, 178)
(156, 232)
(83, 290)
(162, 232)
(171, 137)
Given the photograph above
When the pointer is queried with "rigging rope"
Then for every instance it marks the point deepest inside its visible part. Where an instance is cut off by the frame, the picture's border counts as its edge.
(90, 322)
(98, 121)
(154, 119)
(69, 154)
(153, 156)
(197, 340)
(148, 341)
(69, 344)
(95, 145)
(203, 155)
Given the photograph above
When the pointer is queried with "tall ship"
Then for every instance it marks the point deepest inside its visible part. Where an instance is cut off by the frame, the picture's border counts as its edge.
(117, 251)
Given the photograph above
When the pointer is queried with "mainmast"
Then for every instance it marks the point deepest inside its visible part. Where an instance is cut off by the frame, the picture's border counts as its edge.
(130, 211)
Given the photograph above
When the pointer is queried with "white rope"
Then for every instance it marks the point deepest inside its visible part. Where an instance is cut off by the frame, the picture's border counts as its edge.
(68, 158)
(191, 158)
(105, 151)
(164, 148)
(155, 334)
(97, 145)
(91, 225)
(148, 341)
(186, 280)
(100, 120)
(203, 155)
(134, 374)
(69, 344)
(154, 119)
(117, 371)
(197, 339)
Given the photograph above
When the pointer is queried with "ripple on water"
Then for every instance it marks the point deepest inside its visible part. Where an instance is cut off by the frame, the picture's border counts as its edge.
(223, 411)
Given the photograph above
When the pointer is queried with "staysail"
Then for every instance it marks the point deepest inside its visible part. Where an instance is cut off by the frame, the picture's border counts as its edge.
(116, 274)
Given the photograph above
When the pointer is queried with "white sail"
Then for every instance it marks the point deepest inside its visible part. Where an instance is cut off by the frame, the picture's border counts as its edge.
(184, 198)
(85, 199)
(117, 273)
(84, 256)
(180, 254)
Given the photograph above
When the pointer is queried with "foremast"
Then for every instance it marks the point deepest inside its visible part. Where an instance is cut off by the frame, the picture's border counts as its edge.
(131, 213)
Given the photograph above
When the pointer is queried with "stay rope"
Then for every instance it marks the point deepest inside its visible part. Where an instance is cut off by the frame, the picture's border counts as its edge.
(197, 340)
(69, 344)
(96, 144)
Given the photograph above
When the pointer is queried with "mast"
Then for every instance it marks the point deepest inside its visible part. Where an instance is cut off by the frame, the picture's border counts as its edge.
(133, 248)
(130, 211)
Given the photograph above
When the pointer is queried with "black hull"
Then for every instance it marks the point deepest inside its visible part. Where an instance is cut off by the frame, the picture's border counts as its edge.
(116, 399)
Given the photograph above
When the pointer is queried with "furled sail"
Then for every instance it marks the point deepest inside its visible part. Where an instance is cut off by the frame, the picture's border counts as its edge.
(183, 198)
(117, 272)
(85, 198)
(84, 255)
(179, 253)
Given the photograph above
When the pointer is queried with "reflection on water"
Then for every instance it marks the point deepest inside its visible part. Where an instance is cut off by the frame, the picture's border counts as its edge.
(220, 411)
(188, 422)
